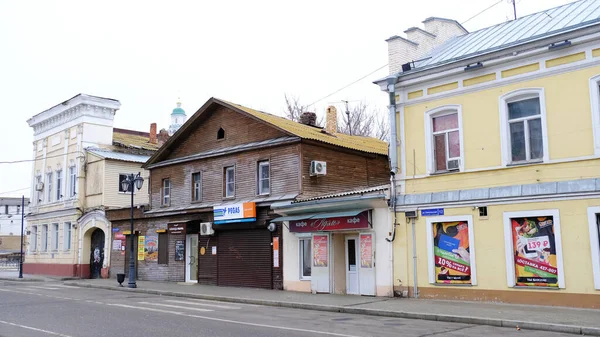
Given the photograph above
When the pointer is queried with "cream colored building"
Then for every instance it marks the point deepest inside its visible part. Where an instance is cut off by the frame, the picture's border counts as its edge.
(79, 159)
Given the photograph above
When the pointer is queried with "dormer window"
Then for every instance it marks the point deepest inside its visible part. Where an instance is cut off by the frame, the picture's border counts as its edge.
(221, 134)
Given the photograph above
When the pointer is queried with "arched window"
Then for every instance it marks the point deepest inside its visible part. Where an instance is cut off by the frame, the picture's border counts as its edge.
(221, 134)
(444, 139)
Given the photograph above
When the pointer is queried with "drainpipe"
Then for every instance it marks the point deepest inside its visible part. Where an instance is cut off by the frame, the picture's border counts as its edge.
(393, 149)
(414, 241)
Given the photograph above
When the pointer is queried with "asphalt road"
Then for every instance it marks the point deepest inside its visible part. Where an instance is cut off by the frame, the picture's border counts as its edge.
(34, 309)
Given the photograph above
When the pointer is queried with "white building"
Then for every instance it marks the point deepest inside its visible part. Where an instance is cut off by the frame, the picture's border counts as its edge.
(10, 215)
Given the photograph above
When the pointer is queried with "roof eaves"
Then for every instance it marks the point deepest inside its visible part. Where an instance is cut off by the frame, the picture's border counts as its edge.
(431, 18)
(420, 30)
(395, 37)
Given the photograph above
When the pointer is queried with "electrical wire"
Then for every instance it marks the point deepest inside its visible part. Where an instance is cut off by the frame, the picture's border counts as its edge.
(476, 15)
(20, 189)
(36, 159)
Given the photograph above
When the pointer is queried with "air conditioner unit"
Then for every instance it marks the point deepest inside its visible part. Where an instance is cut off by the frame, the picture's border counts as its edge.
(453, 164)
(318, 168)
(206, 228)
(39, 186)
(411, 214)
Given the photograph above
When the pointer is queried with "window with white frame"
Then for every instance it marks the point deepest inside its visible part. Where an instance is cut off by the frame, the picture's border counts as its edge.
(44, 239)
(54, 236)
(594, 225)
(67, 234)
(264, 177)
(524, 122)
(533, 249)
(49, 186)
(40, 195)
(229, 182)
(72, 181)
(305, 247)
(166, 192)
(59, 180)
(196, 186)
(444, 139)
(33, 236)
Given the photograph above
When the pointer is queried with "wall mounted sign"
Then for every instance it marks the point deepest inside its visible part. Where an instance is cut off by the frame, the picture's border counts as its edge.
(366, 251)
(151, 249)
(276, 252)
(177, 228)
(179, 250)
(115, 229)
(214, 250)
(119, 236)
(141, 247)
(331, 224)
(243, 212)
(451, 252)
(320, 250)
(117, 245)
(432, 212)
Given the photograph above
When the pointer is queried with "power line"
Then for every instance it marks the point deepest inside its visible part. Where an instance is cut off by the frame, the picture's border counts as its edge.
(476, 15)
(20, 189)
(36, 159)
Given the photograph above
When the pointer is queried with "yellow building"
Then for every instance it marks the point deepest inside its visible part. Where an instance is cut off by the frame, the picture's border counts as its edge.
(497, 165)
(79, 158)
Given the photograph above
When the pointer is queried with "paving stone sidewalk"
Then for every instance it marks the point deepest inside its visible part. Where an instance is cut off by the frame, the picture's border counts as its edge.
(558, 319)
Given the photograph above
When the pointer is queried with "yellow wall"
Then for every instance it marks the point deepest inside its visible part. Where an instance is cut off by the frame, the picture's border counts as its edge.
(489, 246)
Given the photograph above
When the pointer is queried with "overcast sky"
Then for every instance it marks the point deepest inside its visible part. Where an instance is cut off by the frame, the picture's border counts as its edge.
(147, 53)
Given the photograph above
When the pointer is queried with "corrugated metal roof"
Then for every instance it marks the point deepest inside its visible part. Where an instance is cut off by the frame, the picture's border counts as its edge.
(130, 157)
(529, 28)
(132, 139)
(345, 193)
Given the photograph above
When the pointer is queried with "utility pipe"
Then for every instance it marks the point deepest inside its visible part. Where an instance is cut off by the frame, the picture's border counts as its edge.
(414, 244)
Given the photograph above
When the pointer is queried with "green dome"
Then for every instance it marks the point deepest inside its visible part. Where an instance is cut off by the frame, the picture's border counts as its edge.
(178, 110)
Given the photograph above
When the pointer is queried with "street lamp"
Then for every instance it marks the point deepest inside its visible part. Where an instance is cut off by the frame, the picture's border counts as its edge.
(126, 184)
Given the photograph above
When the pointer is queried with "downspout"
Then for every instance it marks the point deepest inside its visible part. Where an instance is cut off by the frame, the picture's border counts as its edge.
(393, 150)
(414, 240)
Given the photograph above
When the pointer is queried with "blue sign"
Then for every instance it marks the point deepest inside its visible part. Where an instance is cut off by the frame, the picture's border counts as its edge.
(115, 229)
(219, 222)
(432, 211)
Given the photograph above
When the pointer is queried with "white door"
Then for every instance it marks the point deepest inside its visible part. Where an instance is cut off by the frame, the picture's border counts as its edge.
(321, 261)
(352, 280)
(191, 253)
(366, 263)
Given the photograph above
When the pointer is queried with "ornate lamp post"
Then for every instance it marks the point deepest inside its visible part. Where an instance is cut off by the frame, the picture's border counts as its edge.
(127, 184)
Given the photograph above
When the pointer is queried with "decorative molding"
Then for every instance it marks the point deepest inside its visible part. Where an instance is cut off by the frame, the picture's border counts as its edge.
(70, 114)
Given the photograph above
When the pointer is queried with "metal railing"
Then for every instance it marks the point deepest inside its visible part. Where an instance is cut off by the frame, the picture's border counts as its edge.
(10, 261)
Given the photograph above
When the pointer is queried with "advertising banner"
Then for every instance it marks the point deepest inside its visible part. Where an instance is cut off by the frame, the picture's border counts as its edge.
(244, 212)
(366, 251)
(451, 252)
(141, 248)
(534, 252)
(330, 224)
(151, 249)
(276, 252)
(179, 250)
(320, 250)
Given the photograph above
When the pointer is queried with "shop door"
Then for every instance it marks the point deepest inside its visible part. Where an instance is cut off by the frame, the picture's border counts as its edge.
(320, 281)
(191, 253)
(366, 265)
(245, 258)
(352, 280)
(97, 253)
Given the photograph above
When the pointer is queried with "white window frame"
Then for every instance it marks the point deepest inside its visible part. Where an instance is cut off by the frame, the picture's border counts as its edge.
(197, 195)
(225, 181)
(33, 235)
(44, 239)
(67, 236)
(594, 244)
(40, 194)
(166, 192)
(429, 134)
(54, 237)
(59, 182)
(430, 251)
(302, 237)
(595, 109)
(72, 181)
(49, 177)
(509, 247)
(505, 144)
(259, 179)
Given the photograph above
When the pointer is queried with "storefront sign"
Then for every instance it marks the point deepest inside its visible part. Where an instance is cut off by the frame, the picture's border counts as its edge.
(244, 212)
(177, 228)
(320, 250)
(151, 248)
(535, 252)
(276, 252)
(432, 212)
(179, 250)
(366, 251)
(331, 224)
(119, 236)
(141, 247)
(115, 229)
(451, 252)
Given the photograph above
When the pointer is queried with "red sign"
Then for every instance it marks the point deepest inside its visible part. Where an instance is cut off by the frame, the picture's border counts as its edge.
(320, 250)
(331, 224)
(452, 265)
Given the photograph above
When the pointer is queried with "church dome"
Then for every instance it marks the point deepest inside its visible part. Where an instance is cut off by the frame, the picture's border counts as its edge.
(178, 110)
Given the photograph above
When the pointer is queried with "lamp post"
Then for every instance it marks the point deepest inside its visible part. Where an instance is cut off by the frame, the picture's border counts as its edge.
(22, 230)
(127, 184)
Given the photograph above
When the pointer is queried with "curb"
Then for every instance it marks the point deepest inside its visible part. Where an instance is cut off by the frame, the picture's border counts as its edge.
(571, 329)
(21, 279)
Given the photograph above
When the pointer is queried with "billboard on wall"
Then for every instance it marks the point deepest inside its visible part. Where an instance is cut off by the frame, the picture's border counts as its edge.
(358, 221)
(451, 252)
(534, 251)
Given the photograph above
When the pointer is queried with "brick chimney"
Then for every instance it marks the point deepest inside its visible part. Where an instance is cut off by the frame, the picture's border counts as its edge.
(163, 136)
(153, 139)
(331, 120)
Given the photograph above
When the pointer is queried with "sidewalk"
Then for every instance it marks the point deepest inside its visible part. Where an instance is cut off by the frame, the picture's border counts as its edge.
(557, 319)
(13, 275)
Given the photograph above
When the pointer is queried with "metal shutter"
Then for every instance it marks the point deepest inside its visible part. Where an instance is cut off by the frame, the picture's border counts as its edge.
(245, 258)
(207, 263)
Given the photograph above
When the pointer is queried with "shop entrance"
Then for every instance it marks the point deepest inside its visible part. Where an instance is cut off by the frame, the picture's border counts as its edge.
(191, 253)
(352, 270)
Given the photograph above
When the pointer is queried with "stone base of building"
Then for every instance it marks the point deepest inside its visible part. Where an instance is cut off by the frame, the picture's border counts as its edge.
(55, 269)
(521, 296)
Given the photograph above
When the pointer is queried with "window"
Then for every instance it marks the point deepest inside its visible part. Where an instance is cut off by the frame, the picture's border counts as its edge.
(44, 241)
(72, 181)
(5, 209)
(533, 249)
(54, 237)
(451, 251)
(166, 195)
(483, 212)
(229, 183)
(221, 134)
(264, 175)
(196, 186)
(67, 236)
(594, 225)
(121, 178)
(444, 139)
(163, 248)
(18, 209)
(305, 258)
(59, 185)
(49, 187)
(33, 239)
(524, 125)
(40, 195)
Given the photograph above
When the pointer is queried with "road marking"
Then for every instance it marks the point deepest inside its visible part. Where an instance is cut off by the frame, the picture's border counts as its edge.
(203, 304)
(35, 329)
(175, 306)
(64, 286)
(40, 287)
(144, 308)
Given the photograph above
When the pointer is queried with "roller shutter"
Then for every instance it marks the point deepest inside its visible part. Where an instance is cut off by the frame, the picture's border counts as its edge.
(245, 258)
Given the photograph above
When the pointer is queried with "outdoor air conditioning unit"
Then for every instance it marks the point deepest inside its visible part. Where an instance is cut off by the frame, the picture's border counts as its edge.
(411, 214)
(39, 186)
(206, 228)
(318, 168)
(453, 164)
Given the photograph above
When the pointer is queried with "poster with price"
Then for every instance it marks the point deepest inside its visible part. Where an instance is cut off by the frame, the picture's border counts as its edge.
(320, 250)
(451, 252)
(535, 252)
(366, 251)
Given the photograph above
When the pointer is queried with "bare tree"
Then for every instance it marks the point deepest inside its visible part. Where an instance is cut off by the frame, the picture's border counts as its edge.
(293, 108)
(360, 120)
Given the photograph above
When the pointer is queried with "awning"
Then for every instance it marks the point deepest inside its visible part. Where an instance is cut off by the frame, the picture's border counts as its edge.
(323, 215)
